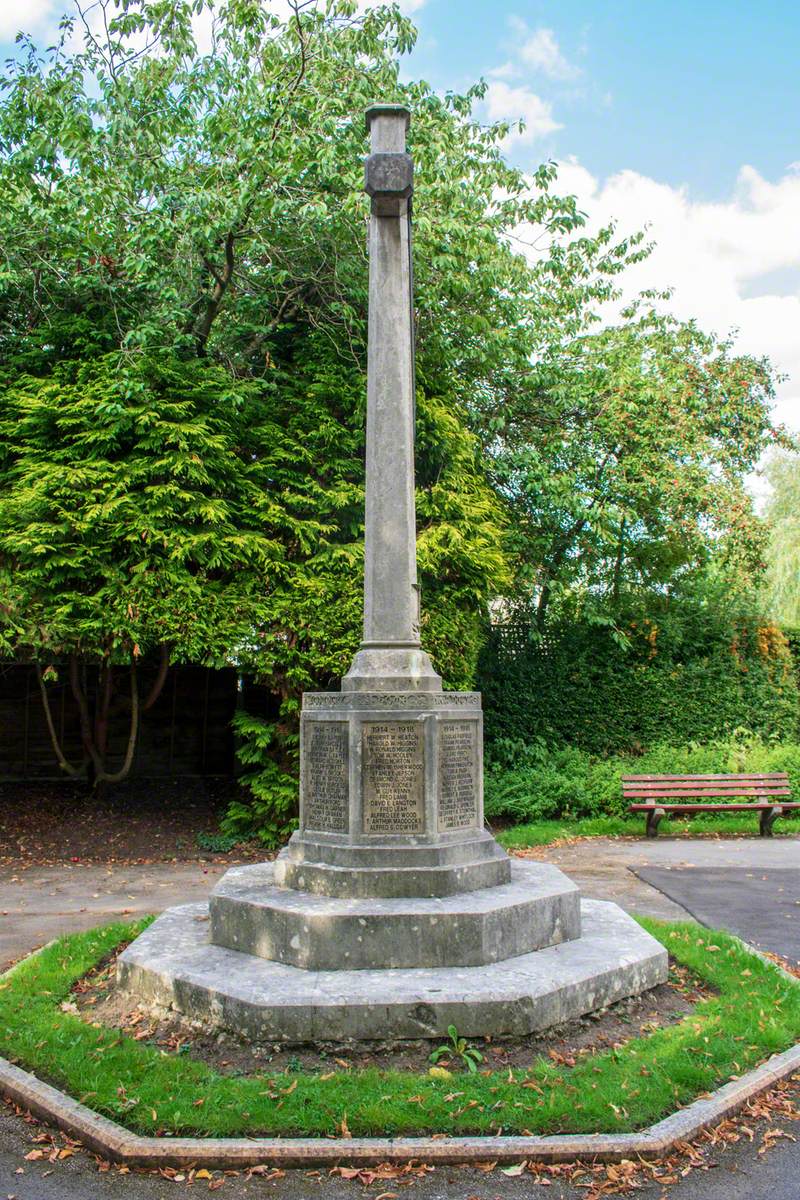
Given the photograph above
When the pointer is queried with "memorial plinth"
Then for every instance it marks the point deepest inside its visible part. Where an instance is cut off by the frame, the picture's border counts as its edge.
(392, 912)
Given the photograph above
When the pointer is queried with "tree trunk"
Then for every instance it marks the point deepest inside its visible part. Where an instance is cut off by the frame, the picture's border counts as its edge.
(618, 564)
(73, 772)
(95, 725)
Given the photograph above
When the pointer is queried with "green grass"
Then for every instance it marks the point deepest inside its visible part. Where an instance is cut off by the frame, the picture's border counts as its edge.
(755, 1013)
(543, 832)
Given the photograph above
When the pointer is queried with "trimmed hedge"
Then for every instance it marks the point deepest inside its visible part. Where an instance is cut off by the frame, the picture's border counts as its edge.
(696, 681)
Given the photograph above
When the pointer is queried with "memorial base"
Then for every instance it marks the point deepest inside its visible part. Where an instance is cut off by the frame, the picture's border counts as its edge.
(172, 966)
(392, 913)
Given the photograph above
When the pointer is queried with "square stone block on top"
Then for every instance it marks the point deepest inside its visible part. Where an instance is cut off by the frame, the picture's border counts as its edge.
(391, 786)
(399, 765)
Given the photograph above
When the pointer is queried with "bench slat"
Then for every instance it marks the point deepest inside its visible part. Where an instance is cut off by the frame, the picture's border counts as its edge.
(689, 778)
(706, 793)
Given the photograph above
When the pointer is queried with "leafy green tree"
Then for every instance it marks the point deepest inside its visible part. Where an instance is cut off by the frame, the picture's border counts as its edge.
(162, 507)
(783, 550)
(624, 461)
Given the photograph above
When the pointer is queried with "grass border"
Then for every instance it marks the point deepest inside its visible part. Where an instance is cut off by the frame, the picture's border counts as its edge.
(119, 1074)
(706, 826)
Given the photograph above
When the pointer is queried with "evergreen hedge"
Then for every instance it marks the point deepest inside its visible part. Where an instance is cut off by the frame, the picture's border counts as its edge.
(691, 678)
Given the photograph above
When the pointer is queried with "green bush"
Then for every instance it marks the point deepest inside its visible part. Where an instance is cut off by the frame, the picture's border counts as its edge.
(268, 807)
(531, 782)
(688, 673)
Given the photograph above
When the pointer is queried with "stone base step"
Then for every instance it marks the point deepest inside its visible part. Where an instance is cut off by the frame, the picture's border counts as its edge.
(391, 882)
(172, 965)
(439, 850)
(538, 907)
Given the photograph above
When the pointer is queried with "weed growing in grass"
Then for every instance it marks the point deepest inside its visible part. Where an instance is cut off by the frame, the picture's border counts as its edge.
(458, 1047)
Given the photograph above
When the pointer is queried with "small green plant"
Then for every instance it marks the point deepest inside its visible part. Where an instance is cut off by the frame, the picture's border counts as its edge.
(217, 843)
(458, 1047)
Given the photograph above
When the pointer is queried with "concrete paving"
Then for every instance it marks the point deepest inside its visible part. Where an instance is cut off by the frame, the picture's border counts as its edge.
(605, 868)
(41, 903)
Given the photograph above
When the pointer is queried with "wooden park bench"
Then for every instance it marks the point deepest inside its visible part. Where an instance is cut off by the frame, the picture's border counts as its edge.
(657, 795)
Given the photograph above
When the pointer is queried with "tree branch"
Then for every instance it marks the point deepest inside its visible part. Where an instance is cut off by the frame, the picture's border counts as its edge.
(160, 679)
(116, 776)
(83, 712)
(73, 772)
(221, 283)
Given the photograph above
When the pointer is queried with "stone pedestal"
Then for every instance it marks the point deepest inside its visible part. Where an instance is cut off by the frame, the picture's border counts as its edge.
(391, 797)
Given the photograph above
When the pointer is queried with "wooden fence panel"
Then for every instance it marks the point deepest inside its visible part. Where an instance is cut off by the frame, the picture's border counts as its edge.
(187, 732)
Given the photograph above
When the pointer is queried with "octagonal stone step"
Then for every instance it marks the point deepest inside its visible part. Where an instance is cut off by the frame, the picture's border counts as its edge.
(324, 879)
(249, 913)
(171, 966)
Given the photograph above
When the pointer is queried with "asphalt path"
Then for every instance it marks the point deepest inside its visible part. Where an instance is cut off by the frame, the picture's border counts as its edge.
(761, 906)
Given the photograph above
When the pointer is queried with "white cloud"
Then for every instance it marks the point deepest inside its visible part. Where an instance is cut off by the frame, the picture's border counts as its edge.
(32, 17)
(733, 263)
(506, 103)
(540, 50)
(506, 70)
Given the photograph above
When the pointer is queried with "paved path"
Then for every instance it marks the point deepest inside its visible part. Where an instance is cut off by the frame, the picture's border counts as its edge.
(38, 904)
(762, 905)
(41, 903)
(606, 868)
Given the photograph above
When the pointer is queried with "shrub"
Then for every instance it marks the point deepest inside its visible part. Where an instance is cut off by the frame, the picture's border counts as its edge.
(268, 807)
(531, 782)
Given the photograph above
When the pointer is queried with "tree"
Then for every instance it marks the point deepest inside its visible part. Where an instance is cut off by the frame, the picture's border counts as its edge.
(783, 550)
(625, 459)
(159, 506)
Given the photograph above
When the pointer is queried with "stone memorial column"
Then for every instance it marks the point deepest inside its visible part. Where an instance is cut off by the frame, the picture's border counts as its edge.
(392, 912)
(391, 767)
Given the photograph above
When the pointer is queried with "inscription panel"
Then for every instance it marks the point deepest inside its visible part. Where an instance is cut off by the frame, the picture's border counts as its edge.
(326, 791)
(393, 773)
(458, 769)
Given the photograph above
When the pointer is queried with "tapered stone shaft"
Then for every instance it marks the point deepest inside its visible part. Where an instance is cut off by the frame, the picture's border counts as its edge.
(390, 658)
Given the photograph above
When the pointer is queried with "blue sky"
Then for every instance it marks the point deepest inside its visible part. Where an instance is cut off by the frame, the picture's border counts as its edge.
(683, 92)
(680, 118)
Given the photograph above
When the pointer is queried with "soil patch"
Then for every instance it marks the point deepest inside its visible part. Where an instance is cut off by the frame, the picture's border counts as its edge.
(138, 821)
(96, 999)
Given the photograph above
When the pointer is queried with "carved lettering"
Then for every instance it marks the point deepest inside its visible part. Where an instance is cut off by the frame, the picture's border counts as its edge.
(359, 701)
(458, 767)
(393, 777)
(325, 776)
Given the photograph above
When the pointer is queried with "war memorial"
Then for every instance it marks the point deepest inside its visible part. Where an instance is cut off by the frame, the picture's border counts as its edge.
(393, 912)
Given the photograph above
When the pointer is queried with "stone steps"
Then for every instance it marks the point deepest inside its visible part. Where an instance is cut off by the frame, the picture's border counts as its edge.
(538, 907)
(386, 882)
(172, 965)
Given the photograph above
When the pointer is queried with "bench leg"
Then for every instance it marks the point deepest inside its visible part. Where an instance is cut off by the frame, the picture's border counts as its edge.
(653, 818)
(768, 818)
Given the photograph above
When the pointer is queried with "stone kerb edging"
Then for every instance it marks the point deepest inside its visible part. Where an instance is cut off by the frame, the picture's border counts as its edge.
(116, 1144)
